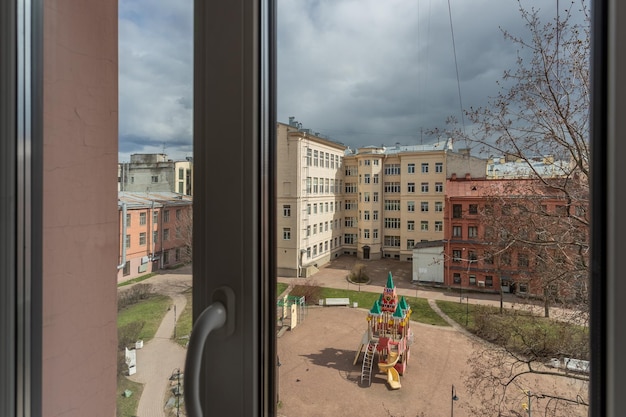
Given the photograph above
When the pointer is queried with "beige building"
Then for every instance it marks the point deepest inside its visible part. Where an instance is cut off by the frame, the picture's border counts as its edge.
(309, 200)
(374, 202)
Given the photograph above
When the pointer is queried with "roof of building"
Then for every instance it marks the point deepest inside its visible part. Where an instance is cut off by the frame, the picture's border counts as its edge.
(542, 166)
(146, 199)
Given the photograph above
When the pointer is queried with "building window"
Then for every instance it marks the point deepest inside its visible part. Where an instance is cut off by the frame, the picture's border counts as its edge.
(523, 288)
(315, 160)
(375, 215)
(350, 170)
(308, 230)
(375, 234)
(350, 204)
(142, 238)
(309, 154)
(424, 225)
(143, 218)
(367, 162)
(439, 167)
(393, 241)
(438, 206)
(366, 233)
(155, 178)
(350, 222)
(126, 268)
(349, 239)
(127, 241)
(375, 178)
(366, 215)
(181, 173)
(410, 225)
(488, 258)
(155, 217)
(166, 234)
(327, 159)
(177, 254)
(392, 169)
(179, 214)
(411, 187)
(326, 185)
(488, 281)
(457, 231)
(155, 237)
(326, 226)
(472, 231)
(375, 196)
(410, 243)
(457, 211)
(367, 178)
(505, 258)
(425, 168)
(424, 187)
(472, 279)
(522, 260)
(315, 229)
(472, 256)
(439, 187)
(326, 207)
(314, 250)
(286, 233)
(128, 220)
(392, 205)
(308, 209)
(410, 205)
(411, 168)
(438, 226)
(473, 209)
(287, 210)
(366, 197)
(392, 223)
(424, 206)
(351, 187)
(456, 255)
(315, 180)
(456, 278)
(166, 216)
(391, 187)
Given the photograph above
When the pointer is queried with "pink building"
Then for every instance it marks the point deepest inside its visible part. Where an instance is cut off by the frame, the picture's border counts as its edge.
(157, 232)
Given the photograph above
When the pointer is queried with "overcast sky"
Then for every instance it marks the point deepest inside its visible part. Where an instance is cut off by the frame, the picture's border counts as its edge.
(362, 72)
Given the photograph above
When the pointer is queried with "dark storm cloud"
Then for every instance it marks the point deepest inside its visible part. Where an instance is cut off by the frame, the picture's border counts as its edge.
(360, 71)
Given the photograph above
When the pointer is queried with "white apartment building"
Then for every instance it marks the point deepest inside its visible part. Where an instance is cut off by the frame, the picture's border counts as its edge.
(309, 200)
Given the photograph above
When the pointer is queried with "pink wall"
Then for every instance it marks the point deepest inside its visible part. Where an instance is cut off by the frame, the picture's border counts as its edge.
(80, 208)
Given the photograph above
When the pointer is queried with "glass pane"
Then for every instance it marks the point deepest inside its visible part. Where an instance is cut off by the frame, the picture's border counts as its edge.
(488, 123)
(155, 188)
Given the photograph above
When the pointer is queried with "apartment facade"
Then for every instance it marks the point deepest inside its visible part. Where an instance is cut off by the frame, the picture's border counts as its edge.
(309, 200)
(155, 173)
(156, 232)
(479, 253)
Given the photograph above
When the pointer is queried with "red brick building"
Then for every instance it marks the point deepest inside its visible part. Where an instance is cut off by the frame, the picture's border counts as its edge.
(479, 216)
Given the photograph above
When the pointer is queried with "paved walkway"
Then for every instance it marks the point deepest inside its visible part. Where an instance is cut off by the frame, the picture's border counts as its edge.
(159, 357)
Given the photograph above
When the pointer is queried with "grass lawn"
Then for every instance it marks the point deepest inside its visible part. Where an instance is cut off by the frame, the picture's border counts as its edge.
(462, 313)
(184, 322)
(149, 311)
(127, 406)
(280, 287)
(138, 279)
(421, 310)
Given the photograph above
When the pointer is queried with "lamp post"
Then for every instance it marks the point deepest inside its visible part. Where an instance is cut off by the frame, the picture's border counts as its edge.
(453, 398)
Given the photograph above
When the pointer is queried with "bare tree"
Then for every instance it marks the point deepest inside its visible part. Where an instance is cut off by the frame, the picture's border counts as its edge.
(541, 113)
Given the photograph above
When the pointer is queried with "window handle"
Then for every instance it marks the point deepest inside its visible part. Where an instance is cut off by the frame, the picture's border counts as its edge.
(214, 317)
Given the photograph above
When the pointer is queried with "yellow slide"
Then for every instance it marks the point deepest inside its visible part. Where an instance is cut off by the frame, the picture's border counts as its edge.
(393, 378)
(392, 359)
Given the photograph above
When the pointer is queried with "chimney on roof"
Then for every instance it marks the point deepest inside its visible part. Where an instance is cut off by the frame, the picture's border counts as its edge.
(465, 151)
(468, 176)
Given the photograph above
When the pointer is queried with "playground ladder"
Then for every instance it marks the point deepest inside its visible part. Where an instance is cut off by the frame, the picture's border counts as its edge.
(368, 361)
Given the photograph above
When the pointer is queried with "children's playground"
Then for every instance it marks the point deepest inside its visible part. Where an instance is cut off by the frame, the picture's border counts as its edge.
(371, 361)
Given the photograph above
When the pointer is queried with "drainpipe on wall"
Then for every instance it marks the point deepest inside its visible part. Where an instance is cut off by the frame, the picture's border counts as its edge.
(124, 226)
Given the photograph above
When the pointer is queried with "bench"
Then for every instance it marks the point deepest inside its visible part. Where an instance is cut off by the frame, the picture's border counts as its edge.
(337, 301)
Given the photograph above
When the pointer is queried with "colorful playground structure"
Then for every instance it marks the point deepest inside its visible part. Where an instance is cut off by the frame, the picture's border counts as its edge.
(388, 336)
